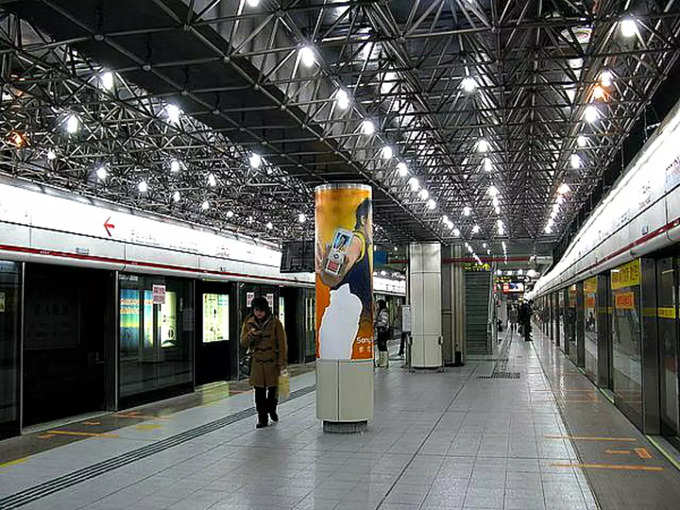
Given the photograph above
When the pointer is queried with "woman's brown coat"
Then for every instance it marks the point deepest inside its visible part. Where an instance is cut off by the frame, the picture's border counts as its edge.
(269, 352)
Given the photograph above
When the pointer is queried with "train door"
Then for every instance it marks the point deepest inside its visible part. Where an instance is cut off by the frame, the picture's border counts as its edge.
(570, 324)
(557, 305)
(69, 320)
(605, 377)
(590, 327)
(668, 346)
(10, 303)
(218, 332)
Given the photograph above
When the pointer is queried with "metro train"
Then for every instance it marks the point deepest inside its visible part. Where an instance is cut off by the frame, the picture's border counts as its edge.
(103, 307)
(611, 302)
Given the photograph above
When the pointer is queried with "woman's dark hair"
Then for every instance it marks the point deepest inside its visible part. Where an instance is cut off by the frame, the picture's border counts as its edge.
(381, 304)
(363, 210)
(260, 303)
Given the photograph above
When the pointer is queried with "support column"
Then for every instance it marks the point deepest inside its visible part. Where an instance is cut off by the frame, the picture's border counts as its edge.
(344, 307)
(426, 304)
(458, 307)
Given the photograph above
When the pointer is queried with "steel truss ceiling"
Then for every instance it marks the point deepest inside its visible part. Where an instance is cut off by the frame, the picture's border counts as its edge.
(435, 77)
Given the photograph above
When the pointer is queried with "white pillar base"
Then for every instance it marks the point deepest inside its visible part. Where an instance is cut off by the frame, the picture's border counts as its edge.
(344, 394)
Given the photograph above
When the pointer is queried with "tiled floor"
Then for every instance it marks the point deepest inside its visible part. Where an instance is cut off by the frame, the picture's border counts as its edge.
(438, 440)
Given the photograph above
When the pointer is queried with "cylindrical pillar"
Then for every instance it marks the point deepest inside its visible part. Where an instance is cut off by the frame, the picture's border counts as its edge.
(344, 306)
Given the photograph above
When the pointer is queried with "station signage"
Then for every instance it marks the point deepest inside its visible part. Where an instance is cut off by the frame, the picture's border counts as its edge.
(624, 301)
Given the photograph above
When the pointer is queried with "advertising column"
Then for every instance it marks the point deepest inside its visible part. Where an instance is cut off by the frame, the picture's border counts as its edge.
(344, 307)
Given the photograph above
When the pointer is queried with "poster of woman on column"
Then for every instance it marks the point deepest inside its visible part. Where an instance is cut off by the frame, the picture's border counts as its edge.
(344, 272)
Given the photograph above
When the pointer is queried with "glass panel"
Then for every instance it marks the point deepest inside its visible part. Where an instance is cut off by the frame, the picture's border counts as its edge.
(156, 338)
(668, 340)
(215, 317)
(9, 347)
(626, 336)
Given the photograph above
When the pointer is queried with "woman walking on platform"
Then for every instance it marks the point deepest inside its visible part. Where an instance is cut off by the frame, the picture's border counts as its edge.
(263, 335)
(382, 326)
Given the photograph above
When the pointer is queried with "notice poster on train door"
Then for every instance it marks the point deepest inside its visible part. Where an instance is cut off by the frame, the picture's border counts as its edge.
(344, 272)
(2, 302)
(249, 298)
(270, 301)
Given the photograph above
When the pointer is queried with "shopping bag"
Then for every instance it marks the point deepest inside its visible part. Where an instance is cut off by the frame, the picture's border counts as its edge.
(284, 385)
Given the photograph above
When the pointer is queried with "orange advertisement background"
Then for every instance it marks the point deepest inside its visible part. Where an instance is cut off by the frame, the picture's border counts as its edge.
(336, 208)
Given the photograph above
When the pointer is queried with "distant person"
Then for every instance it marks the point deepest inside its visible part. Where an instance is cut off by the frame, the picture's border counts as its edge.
(265, 338)
(382, 327)
(513, 318)
(525, 320)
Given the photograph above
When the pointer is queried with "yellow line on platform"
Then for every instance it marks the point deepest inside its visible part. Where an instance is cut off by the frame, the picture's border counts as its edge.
(592, 438)
(618, 452)
(620, 467)
(81, 434)
(13, 462)
(643, 453)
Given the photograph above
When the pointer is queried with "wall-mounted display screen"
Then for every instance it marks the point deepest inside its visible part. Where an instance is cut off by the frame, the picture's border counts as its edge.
(215, 317)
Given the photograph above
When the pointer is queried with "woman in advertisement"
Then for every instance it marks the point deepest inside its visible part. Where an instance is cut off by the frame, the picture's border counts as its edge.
(344, 266)
(263, 335)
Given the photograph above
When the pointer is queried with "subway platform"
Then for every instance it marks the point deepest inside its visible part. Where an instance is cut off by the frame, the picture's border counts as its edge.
(523, 431)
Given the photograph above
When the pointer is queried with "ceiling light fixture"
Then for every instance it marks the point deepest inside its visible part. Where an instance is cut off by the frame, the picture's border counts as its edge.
(302, 218)
(387, 152)
(106, 80)
(575, 161)
(176, 196)
(581, 141)
(102, 173)
(173, 113)
(205, 205)
(367, 127)
(51, 155)
(487, 164)
(174, 166)
(563, 189)
(414, 184)
(230, 214)
(255, 160)
(402, 169)
(307, 56)
(493, 190)
(606, 78)
(72, 124)
(469, 84)
(431, 204)
(628, 27)
(466, 211)
(212, 181)
(475, 229)
(482, 145)
(143, 187)
(424, 194)
(342, 99)
(591, 114)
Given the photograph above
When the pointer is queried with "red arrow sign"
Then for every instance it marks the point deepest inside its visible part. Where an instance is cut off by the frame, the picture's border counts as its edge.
(108, 226)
